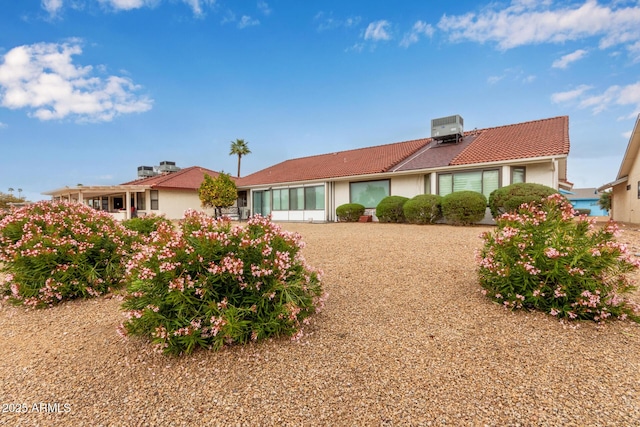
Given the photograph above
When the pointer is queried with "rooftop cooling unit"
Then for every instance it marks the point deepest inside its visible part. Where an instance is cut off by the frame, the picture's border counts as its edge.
(146, 171)
(168, 167)
(447, 128)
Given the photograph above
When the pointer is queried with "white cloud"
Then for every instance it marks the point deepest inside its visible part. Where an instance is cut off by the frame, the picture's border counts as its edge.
(377, 31)
(627, 135)
(3, 125)
(494, 79)
(328, 22)
(612, 96)
(247, 21)
(52, 7)
(197, 5)
(569, 95)
(567, 59)
(43, 79)
(529, 79)
(127, 4)
(264, 7)
(420, 28)
(527, 22)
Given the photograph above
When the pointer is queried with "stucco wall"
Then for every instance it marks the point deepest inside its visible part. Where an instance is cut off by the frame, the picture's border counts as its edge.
(407, 186)
(541, 173)
(173, 203)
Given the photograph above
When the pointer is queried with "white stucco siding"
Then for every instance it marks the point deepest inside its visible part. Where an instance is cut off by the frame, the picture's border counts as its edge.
(341, 193)
(542, 173)
(173, 203)
(407, 185)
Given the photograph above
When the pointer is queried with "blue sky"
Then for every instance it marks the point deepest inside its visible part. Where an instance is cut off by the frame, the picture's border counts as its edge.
(92, 89)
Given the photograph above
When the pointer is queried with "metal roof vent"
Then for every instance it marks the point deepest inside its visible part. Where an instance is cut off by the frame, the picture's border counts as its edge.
(167, 166)
(447, 129)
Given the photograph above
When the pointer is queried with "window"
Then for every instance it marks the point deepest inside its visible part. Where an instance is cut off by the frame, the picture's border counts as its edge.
(153, 195)
(427, 184)
(140, 201)
(638, 189)
(314, 198)
(517, 175)
(296, 199)
(482, 181)
(369, 193)
(281, 199)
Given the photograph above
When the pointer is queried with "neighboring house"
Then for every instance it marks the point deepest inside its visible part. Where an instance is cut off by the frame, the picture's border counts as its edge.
(625, 190)
(167, 193)
(310, 188)
(586, 198)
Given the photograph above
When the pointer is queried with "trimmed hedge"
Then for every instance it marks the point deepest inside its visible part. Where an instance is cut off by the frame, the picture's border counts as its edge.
(390, 209)
(349, 212)
(423, 209)
(145, 225)
(509, 198)
(464, 207)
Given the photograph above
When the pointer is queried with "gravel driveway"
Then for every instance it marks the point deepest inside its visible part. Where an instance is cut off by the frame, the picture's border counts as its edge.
(406, 339)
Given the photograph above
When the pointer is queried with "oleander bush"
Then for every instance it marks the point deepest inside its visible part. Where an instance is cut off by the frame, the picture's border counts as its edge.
(209, 284)
(145, 225)
(464, 207)
(57, 251)
(543, 258)
(390, 209)
(350, 212)
(509, 198)
(583, 211)
(423, 209)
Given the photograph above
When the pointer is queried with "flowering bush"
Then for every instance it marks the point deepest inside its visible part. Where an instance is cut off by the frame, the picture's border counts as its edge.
(210, 284)
(55, 251)
(145, 225)
(541, 257)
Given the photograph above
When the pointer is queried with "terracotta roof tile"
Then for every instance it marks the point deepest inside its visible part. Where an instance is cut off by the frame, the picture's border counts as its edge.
(360, 161)
(188, 178)
(540, 138)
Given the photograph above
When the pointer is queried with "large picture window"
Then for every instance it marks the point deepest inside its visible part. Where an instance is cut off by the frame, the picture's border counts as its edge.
(482, 181)
(140, 205)
(369, 193)
(296, 199)
(281, 199)
(314, 198)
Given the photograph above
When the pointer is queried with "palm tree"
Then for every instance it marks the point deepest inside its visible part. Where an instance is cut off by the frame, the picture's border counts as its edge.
(11, 190)
(240, 148)
(19, 193)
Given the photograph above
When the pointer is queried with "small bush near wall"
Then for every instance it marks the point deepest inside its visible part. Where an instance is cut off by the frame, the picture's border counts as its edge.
(543, 258)
(423, 209)
(464, 207)
(509, 198)
(210, 285)
(349, 212)
(145, 225)
(390, 209)
(56, 251)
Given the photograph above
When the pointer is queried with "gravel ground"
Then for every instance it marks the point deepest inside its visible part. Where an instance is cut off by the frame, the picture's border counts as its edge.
(406, 339)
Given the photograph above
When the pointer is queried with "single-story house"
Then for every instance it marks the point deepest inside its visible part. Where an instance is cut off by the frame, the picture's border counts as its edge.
(166, 191)
(310, 188)
(586, 198)
(625, 190)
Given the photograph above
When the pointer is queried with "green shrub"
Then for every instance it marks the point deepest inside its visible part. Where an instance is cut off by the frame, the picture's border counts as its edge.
(390, 209)
(423, 209)
(509, 198)
(349, 212)
(545, 259)
(464, 207)
(211, 284)
(56, 251)
(145, 225)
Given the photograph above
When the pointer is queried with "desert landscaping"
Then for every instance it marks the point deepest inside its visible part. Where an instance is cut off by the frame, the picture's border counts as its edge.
(406, 338)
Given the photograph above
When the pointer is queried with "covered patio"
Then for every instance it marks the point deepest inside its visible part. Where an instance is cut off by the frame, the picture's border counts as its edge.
(121, 201)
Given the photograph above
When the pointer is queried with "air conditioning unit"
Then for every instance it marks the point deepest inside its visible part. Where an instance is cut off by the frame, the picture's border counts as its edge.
(168, 167)
(146, 171)
(447, 128)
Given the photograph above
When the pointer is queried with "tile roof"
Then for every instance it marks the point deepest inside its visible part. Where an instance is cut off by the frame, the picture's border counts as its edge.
(539, 138)
(360, 161)
(188, 178)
